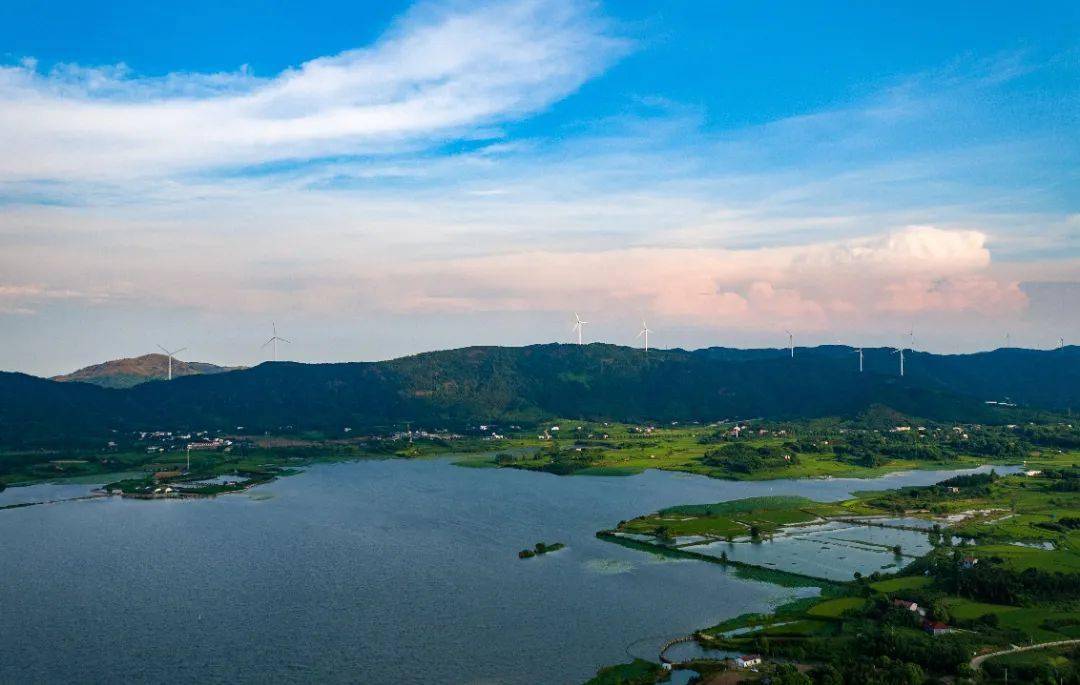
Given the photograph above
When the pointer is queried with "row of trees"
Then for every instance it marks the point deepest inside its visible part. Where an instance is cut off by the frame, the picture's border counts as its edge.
(992, 581)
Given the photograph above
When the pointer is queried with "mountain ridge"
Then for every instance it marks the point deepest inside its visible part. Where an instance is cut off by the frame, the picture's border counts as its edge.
(492, 384)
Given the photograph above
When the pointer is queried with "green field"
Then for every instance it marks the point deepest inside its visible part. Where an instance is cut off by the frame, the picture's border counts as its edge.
(966, 609)
(835, 608)
(800, 629)
(898, 584)
(1019, 558)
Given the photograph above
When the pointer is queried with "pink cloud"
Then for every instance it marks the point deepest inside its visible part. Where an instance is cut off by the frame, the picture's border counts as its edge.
(912, 270)
(974, 292)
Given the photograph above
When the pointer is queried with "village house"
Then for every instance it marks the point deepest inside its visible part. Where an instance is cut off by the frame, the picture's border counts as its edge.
(936, 628)
(969, 562)
(748, 660)
(905, 604)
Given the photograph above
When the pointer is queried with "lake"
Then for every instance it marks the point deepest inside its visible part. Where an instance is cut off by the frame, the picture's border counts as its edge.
(388, 571)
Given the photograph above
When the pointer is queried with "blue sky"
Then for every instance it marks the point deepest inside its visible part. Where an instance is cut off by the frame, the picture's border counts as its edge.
(743, 63)
(393, 177)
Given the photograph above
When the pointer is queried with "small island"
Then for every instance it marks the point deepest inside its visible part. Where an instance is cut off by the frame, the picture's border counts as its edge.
(540, 548)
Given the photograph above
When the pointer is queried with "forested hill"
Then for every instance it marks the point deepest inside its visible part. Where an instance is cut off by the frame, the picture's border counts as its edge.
(501, 384)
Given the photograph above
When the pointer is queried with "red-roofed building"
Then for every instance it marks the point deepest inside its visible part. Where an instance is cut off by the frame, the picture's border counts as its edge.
(936, 628)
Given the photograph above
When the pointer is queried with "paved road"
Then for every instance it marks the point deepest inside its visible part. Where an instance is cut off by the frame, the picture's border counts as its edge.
(977, 661)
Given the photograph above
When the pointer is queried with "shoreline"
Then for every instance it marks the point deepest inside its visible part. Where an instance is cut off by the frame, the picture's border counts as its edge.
(454, 458)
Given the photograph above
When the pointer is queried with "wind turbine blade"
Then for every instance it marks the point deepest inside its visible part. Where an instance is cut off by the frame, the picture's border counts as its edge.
(163, 349)
(285, 341)
(180, 350)
(268, 342)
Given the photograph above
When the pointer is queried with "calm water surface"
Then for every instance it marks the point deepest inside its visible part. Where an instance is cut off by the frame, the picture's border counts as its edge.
(373, 572)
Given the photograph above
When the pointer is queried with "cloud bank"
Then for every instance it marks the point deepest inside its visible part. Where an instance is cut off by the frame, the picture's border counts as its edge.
(916, 269)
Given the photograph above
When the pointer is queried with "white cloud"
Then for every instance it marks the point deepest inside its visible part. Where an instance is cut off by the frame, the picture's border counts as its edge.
(437, 73)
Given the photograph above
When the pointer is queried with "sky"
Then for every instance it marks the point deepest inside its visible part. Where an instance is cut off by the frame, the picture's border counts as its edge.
(387, 178)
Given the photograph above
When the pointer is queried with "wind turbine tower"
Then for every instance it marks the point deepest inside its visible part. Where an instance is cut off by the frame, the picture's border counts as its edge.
(901, 351)
(858, 351)
(170, 355)
(579, 326)
(644, 332)
(274, 339)
(790, 342)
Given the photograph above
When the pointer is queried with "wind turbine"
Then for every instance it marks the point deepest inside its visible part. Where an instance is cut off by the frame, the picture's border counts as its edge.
(170, 355)
(790, 342)
(1061, 343)
(858, 350)
(644, 332)
(275, 340)
(901, 351)
(579, 325)
(911, 338)
(1008, 338)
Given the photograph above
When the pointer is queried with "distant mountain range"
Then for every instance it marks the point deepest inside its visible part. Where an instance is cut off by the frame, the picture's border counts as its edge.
(125, 373)
(521, 384)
